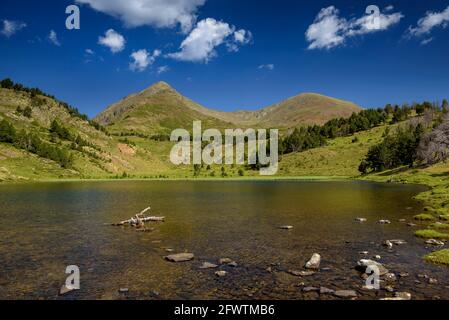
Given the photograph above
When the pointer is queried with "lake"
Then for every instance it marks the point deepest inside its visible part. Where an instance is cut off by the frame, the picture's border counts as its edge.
(48, 226)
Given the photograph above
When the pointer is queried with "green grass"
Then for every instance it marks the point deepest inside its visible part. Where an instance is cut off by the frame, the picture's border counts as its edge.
(431, 234)
(425, 217)
(440, 226)
(439, 257)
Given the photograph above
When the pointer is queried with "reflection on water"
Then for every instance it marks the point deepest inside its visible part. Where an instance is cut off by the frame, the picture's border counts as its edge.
(46, 227)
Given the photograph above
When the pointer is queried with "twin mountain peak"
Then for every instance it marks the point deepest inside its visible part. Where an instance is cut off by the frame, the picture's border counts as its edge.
(160, 109)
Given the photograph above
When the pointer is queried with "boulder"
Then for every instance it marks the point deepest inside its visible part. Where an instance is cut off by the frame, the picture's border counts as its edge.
(180, 257)
(314, 262)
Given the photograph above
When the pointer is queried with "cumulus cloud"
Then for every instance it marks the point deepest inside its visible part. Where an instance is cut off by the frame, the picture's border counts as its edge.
(269, 67)
(113, 40)
(429, 22)
(329, 30)
(142, 59)
(10, 28)
(200, 44)
(156, 13)
(53, 37)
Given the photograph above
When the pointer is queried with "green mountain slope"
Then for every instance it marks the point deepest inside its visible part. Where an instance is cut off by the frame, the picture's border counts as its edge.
(160, 109)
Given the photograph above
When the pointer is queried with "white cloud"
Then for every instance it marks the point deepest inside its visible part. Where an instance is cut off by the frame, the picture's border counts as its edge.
(389, 8)
(113, 40)
(156, 13)
(90, 51)
(142, 59)
(330, 30)
(163, 69)
(53, 37)
(11, 27)
(200, 44)
(269, 67)
(425, 42)
(430, 21)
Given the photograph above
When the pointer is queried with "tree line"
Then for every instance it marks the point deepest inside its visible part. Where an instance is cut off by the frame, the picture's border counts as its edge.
(421, 142)
(32, 143)
(34, 95)
(305, 138)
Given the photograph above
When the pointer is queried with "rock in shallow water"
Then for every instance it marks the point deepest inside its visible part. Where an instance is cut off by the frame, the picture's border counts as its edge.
(208, 265)
(221, 274)
(434, 242)
(180, 257)
(314, 262)
(363, 264)
(345, 294)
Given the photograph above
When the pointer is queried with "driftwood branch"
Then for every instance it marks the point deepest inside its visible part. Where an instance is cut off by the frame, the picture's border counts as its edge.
(139, 220)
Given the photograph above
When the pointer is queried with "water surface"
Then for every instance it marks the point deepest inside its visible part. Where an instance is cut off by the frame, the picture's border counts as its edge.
(46, 227)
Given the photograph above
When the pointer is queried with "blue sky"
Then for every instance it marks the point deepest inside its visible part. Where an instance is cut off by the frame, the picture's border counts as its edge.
(237, 54)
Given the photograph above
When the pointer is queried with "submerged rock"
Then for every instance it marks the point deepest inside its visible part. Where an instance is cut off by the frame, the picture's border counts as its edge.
(324, 290)
(301, 273)
(360, 219)
(434, 242)
(388, 244)
(400, 296)
(208, 265)
(65, 290)
(310, 289)
(363, 264)
(384, 222)
(345, 294)
(221, 274)
(398, 242)
(180, 257)
(286, 227)
(314, 262)
(228, 262)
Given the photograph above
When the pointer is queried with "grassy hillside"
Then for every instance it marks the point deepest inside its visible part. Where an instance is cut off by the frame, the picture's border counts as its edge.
(304, 109)
(160, 109)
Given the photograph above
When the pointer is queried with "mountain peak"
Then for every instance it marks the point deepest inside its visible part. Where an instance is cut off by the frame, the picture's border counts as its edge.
(159, 86)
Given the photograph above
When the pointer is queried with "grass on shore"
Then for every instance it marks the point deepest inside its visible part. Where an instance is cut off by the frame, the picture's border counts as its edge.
(439, 257)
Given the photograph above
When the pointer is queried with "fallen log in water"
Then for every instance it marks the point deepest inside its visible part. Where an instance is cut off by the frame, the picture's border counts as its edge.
(139, 220)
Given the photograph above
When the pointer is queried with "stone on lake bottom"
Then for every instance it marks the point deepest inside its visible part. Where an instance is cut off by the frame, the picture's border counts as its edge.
(208, 265)
(314, 262)
(345, 294)
(180, 257)
(221, 274)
